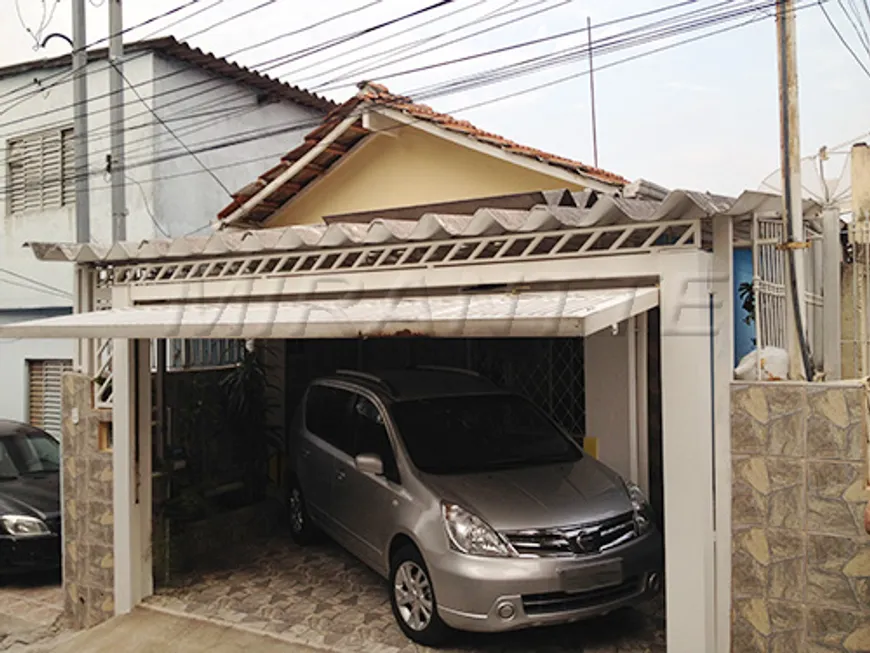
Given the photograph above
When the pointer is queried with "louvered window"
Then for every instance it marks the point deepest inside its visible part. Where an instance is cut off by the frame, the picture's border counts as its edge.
(41, 171)
(45, 378)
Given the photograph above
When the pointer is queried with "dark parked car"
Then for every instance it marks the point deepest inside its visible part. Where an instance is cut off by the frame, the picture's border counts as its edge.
(480, 510)
(29, 499)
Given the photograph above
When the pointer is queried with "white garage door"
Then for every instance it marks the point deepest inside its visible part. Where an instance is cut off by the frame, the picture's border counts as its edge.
(44, 395)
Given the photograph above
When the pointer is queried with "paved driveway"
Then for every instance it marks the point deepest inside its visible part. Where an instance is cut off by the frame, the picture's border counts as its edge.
(29, 608)
(323, 598)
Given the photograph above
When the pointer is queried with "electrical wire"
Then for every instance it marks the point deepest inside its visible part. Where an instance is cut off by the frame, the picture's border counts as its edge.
(857, 25)
(148, 210)
(263, 66)
(366, 71)
(32, 288)
(170, 130)
(36, 282)
(288, 129)
(338, 59)
(844, 42)
(237, 141)
(68, 73)
(857, 14)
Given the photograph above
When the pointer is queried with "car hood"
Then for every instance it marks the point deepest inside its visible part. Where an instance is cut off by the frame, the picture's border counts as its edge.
(34, 496)
(549, 496)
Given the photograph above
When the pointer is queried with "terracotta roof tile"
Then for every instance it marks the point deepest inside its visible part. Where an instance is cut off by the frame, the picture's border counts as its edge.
(378, 95)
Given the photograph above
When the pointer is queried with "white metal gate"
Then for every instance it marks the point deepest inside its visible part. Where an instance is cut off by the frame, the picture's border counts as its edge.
(769, 287)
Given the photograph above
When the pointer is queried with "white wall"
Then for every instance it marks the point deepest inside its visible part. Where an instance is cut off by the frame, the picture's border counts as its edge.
(14, 354)
(59, 225)
(608, 410)
(176, 193)
(205, 111)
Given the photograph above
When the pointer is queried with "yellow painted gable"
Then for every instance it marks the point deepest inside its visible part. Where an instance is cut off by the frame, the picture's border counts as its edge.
(410, 168)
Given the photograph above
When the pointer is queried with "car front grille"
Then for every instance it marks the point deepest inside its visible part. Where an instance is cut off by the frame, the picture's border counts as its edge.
(588, 539)
(553, 602)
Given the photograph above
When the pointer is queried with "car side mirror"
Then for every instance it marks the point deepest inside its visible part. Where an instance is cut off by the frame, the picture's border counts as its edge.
(370, 463)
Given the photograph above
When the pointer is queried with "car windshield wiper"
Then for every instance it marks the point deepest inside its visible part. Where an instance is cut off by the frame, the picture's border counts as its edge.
(9, 478)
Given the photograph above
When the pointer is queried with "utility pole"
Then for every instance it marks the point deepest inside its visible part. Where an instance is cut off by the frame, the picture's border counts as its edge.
(116, 118)
(592, 94)
(800, 363)
(80, 121)
(859, 232)
(82, 287)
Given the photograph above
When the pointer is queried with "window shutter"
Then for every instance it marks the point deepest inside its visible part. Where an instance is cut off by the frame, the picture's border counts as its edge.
(45, 378)
(41, 171)
(69, 167)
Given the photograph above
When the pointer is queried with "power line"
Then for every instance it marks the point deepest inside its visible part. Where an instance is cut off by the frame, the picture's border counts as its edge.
(32, 288)
(148, 210)
(444, 90)
(68, 73)
(169, 129)
(842, 39)
(44, 286)
(263, 66)
(325, 85)
(220, 144)
(857, 25)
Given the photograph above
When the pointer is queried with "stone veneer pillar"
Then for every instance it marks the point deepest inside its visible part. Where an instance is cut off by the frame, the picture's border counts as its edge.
(801, 557)
(88, 574)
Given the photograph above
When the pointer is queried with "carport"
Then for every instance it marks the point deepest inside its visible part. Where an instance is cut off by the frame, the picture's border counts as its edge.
(583, 266)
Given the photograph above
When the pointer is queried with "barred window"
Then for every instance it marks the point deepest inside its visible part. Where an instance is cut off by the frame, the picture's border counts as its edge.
(41, 171)
(188, 354)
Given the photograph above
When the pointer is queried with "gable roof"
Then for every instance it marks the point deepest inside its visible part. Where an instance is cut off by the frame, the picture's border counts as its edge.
(169, 46)
(345, 127)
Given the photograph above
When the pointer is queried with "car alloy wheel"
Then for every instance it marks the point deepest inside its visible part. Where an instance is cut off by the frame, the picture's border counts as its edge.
(414, 596)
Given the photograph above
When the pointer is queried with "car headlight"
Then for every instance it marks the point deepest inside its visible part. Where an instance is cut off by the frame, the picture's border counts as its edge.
(23, 526)
(469, 534)
(643, 516)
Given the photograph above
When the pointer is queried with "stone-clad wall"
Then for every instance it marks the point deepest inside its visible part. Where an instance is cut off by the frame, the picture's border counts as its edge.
(801, 557)
(88, 564)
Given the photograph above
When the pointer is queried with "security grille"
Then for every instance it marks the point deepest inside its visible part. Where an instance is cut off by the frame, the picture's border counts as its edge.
(769, 286)
(205, 353)
(45, 391)
(41, 171)
(549, 371)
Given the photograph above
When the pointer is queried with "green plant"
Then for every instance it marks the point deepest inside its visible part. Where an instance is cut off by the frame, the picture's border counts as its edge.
(246, 390)
(746, 293)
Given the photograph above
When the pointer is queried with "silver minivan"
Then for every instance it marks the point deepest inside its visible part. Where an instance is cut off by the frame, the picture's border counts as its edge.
(482, 513)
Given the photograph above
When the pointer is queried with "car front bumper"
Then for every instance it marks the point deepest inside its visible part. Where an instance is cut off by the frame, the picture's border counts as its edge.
(37, 553)
(499, 594)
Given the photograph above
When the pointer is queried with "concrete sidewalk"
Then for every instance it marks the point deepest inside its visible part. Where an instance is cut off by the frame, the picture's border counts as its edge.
(147, 631)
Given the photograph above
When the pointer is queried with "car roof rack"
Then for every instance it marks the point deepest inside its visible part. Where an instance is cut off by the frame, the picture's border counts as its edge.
(445, 368)
(366, 376)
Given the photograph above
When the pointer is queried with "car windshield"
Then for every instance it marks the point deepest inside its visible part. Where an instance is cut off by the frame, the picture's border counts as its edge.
(28, 452)
(479, 433)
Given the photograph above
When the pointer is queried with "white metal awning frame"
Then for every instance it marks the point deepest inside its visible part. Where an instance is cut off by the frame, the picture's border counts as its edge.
(683, 248)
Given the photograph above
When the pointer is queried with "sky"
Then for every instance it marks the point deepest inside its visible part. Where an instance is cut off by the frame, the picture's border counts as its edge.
(700, 116)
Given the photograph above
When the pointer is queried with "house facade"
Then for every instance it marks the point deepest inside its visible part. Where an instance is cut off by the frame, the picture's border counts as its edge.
(218, 110)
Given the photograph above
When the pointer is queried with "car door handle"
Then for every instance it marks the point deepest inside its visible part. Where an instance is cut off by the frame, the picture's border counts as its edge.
(340, 475)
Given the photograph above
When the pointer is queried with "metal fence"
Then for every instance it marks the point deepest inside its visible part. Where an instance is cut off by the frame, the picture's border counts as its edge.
(769, 287)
